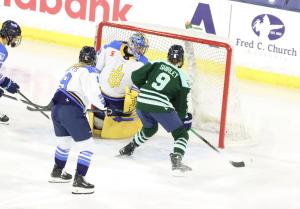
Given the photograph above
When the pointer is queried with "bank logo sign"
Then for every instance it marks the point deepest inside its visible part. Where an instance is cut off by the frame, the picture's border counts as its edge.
(268, 27)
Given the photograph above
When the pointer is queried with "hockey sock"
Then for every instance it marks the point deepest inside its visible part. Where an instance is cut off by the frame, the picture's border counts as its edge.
(181, 138)
(143, 135)
(61, 156)
(62, 151)
(180, 145)
(83, 162)
(139, 138)
(85, 156)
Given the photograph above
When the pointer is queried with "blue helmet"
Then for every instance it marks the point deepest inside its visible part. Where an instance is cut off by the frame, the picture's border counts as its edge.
(138, 44)
(176, 55)
(88, 55)
(11, 31)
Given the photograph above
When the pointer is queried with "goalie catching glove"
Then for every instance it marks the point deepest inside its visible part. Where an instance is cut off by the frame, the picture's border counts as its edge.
(187, 121)
(130, 100)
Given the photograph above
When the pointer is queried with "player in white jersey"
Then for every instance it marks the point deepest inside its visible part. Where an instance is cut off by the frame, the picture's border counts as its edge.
(10, 35)
(78, 89)
(116, 61)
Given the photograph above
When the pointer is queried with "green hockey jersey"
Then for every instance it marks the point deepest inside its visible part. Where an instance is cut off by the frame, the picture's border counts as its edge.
(163, 88)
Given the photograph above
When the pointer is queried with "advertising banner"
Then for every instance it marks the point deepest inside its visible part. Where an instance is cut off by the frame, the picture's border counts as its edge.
(80, 17)
(265, 38)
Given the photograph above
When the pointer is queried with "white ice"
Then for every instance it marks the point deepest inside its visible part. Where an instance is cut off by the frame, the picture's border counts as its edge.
(270, 181)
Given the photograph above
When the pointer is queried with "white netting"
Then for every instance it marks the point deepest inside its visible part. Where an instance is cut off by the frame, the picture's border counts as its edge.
(205, 61)
(207, 93)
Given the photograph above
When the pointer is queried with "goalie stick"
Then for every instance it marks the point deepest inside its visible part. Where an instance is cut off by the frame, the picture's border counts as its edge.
(233, 163)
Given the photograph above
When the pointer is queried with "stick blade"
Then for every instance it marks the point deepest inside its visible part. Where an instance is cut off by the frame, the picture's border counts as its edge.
(237, 164)
(31, 109)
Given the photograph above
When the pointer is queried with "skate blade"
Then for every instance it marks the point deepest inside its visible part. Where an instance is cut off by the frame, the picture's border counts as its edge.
(58, 180)
(123, 156)
(119, 156)
(4, 123)
(178, 173)
(79, 190)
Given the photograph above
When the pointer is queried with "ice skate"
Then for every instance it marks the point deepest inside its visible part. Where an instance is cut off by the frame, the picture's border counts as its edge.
(178, 168)
(81, 186)
(128, 149)
(4, 119)
(59, 176)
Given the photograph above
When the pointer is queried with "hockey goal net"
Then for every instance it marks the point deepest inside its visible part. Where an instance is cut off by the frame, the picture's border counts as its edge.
(216, 108)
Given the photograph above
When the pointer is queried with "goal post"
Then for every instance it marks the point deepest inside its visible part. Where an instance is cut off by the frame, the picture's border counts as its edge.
(208, 61)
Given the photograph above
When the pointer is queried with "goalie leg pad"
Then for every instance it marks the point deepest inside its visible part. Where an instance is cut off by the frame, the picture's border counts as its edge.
(117, 127)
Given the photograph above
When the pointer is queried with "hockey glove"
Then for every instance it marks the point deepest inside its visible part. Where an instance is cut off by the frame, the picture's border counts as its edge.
(187, 121)
(130, 100)
(10, 86)
(1, 92)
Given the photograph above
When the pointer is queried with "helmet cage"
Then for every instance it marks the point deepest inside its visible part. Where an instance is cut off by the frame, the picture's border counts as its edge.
(138, 44)
(11, 31)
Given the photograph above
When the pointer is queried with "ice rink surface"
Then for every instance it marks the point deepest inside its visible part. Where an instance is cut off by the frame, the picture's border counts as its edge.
(270, 181)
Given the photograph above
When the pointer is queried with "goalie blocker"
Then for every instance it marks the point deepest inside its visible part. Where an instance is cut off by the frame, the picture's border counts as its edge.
(123, 123)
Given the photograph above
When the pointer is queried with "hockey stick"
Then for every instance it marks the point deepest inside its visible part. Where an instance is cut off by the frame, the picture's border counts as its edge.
(34, 105)
(48, 108)
(14, 98)
(234, 163)
(24, 101)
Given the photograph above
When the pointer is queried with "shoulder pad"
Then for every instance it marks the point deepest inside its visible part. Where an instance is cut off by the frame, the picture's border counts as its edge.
(114, 44)
(91, 69)
(143, 59)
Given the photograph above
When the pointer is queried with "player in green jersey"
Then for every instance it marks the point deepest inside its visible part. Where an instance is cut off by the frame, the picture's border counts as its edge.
(163, 99)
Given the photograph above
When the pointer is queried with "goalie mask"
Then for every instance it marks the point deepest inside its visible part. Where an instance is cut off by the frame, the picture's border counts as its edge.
(138, 44)
(88, 56)
(176, 55)
(11, 31)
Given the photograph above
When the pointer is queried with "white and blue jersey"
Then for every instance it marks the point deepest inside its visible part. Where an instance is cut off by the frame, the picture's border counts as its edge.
(3, 57)
(80, 85)
(115, 69)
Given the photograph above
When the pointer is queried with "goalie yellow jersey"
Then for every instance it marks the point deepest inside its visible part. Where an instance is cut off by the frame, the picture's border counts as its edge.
(115, 69)
(163, 87)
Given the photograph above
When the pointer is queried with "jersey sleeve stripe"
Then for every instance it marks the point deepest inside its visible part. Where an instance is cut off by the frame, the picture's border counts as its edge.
(153, 102)
(150, 97)
(154, 92)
